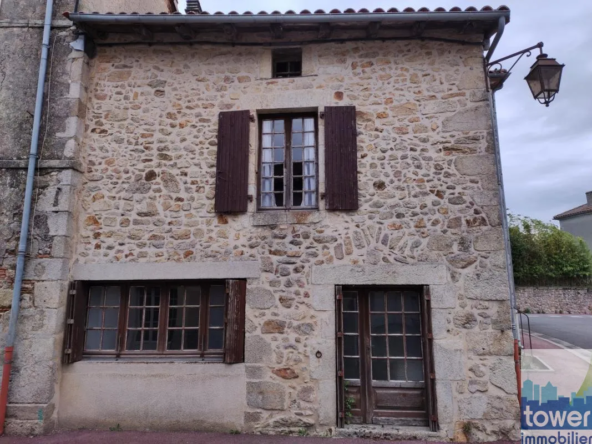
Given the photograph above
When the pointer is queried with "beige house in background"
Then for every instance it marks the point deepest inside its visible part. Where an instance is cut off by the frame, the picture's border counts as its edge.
(267, 223)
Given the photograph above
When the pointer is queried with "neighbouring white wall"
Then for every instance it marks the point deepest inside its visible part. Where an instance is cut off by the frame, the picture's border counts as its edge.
(163, 396)
(123, 6)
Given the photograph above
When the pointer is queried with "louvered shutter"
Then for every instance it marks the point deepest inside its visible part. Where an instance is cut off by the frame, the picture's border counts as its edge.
(234, 348)
(232, 166)
(341, 158)
(428, 344)
(340, 366)
(76, 307)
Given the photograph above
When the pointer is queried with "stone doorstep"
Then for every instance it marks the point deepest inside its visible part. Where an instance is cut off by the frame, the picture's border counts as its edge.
(30, 412)
(391, 433)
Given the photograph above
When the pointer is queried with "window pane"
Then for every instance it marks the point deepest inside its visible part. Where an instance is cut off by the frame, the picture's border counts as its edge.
(193, 296)
(309, 139)
(94, 318)
(412, 324)
(415, 370)
(278, 184)
(109, 339)
(396, 346)
(267, 126)
(153, 296)
(266, 140)
(379, 370)
(93, 340)
(296, 125)
(136, 296)
(96, 296)
(411, 301)
(177, 296)
(298, 183)
(278, 155)
(112, 298)
(151, 318)
(267, 185)
(217, 294)
(216, 317)
(376, 301)
(378, 345)
(350, 322)
(395, 323)
(310, 199)
(279, 199)
(135, 318)
(111, 317)
(297, 156)
(278, 126)
(278, 169)
(134, 338)
(309, 154)
(377, 324)
(394, 301)
(278, 140)
(267, 155)
(350, 301)
(191, 339)
(174, 339)
(267, 200)
(297, 199)
(397, 370)
(297, 169)
(413, 346)
(191, 317)
(309, 169)
(350, 345)
(310, 184)
(267, 170)
(309, 124)
(175, 317)
(352, 368)
(150, 340)
(297, 139)
(215, 339)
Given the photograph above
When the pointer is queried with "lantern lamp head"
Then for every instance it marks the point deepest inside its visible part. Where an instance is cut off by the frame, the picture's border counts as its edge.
(544, 79)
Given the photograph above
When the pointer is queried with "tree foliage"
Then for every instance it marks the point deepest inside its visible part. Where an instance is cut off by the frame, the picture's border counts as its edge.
(541, 251)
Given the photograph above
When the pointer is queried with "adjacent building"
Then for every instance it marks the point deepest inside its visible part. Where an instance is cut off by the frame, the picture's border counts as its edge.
(263, 222)
(578, 221)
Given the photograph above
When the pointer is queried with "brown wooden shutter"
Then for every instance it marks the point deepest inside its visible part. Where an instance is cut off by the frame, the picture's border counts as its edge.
(428, 340)
(341, 158)
(232, 167)
(76, 308)
(340, 366)
(234, 349)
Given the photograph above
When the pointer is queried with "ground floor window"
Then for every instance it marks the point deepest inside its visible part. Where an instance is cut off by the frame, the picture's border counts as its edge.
(199, 319)
(385, 364)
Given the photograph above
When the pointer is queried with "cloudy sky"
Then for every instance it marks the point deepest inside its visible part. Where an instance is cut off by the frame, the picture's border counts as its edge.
(546, 152)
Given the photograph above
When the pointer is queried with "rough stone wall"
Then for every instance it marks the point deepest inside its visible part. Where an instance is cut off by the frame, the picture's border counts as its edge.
(554, 300)
(428, 210)
(140, 6)
(34, 378)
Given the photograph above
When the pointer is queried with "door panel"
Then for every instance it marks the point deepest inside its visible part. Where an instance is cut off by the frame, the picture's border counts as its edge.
(384, 356)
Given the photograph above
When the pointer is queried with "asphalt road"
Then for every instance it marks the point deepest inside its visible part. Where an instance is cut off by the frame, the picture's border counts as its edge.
(575, 329)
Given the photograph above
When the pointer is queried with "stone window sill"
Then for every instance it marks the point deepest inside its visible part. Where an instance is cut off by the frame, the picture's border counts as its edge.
(264, 218)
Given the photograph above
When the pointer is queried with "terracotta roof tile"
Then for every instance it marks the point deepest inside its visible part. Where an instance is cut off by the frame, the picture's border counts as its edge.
(582, 209)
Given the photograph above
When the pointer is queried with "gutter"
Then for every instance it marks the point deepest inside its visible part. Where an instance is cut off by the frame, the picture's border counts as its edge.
(196, 19)
(22, 247)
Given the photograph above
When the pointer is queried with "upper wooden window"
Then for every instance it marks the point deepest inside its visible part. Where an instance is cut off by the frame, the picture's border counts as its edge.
(288, 173)
(287, 62)
(157, 318)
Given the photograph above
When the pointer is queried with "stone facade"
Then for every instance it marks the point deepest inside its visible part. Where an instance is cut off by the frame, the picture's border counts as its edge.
(554, 300)
(135, 132)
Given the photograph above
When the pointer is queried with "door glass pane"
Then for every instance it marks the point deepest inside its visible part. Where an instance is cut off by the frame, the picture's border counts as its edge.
(136, 296)
(278, 126)
(395, 323)
(414, 346)
(297, 156)
(112, 296)
(376, 301)
(96, 296)
(309, 154)
(378, 345)
(175, 317)
(150, 339)
(278, 140)
(310, 199)
(191, 317)
(397, 370)
(415, 370)
(412, 324)
(394, 301)
(296, 125)
(266, 141)
(350, 345)
(309, 124)
(174, 339)
(267, 126)
(350, 301)
(151, 318)
(267, 170)
(411, 299)
(134, 340)
(379, 370)
(309, 169)
(352, 368)
(135, 318)
(278, 155)
(191, 339)
(153, 297)
(297, 139)
(176, 296)
(377, 324)
(396, 346)
(350, 322)
(193, 295)
(267, 155)
(217, 294)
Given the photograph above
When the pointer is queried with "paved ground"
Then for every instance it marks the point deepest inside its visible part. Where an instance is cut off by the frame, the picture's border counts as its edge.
(181, 438)
(574, 329)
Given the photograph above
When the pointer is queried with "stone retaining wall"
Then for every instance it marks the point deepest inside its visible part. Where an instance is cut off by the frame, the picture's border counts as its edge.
(554, 300)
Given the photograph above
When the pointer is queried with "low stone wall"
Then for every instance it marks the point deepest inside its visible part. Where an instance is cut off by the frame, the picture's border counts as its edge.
(554, 300)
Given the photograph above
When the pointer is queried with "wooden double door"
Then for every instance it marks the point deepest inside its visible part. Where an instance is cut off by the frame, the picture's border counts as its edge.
(384, 356)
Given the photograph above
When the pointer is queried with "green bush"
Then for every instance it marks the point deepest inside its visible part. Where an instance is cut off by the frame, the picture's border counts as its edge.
(541, 251)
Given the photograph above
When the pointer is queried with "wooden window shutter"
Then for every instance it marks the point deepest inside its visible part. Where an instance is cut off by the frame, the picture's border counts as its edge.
(341, 158)
(76, 308)
(428, 340)
(234, 349)
(232, 167)
(340, 367)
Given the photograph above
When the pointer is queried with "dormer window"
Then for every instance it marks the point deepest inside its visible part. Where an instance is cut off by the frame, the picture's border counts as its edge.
(287, 62)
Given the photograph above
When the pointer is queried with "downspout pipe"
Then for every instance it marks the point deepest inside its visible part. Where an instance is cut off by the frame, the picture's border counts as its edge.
(501, 26)
(24, 235)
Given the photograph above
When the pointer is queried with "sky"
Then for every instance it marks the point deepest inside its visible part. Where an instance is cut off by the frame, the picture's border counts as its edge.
(546, 152)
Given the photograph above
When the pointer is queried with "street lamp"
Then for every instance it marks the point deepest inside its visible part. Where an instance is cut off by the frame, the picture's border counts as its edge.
(543, 79)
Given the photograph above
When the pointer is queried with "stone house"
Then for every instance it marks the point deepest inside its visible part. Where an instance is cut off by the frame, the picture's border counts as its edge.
(267, 223)
(578, 221)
